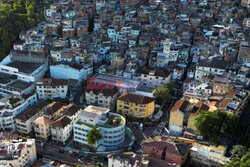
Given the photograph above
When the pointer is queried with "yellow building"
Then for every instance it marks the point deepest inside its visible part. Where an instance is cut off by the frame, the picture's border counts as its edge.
(135, 105)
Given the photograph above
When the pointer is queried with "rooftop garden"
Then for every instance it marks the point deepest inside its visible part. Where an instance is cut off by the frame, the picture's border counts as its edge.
(112, 122)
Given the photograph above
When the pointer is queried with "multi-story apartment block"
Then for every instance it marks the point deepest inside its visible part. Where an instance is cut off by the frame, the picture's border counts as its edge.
(216, 67)
(51, 88)
(75, 71)
(153, 78)
(12, 106)
(25, 71)
(169, 54)
(135, 105)
(61, 129)
(71, 111)
(25, 119)
(42, 128)
(18, 153)
(101, 97)
(111, 126)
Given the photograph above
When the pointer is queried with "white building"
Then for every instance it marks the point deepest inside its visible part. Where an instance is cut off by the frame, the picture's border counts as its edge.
(18, 153)
(51, 88)
(61, 129)
(11, 85)
(169, 54)
(28, 72)
(50, 11)
(111, 126)
(75, 71)
(103, 97)
(128, 159)
(216, 67)
(72, 111)
(25, 119)
(12, 106)
(209, 155)
(153, 78)
(99, 5)
(197, 86)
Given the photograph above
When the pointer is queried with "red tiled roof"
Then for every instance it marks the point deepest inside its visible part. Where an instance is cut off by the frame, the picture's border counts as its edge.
(161, 73)
(38, 163)
(180, 105)
(232, 93)
(42, 120)
(224, 102)
(61, 122)
(137, 99)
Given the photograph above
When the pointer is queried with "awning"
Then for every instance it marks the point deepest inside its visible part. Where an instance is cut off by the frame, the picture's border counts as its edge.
(190, 134)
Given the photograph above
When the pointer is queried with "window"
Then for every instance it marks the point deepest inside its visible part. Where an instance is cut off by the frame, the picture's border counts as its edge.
(126, 107)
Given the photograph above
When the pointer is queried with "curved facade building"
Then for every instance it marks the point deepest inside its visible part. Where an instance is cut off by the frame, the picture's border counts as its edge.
(111, 126)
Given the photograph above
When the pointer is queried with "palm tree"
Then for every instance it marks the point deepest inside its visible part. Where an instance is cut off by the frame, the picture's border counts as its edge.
(93, 136)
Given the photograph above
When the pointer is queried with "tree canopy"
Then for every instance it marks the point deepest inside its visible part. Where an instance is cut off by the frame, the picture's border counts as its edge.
(238, 151)
(215, 125)
(165, 92)
(240, 157)
(93, 136)
(15, 16)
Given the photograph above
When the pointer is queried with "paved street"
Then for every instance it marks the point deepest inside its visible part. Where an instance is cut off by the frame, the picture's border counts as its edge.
(54, 154)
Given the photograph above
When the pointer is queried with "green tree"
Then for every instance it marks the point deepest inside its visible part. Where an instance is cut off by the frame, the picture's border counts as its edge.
(79, 165)
(238, 151)
(239, 160)
(214, 125)
(15, 16)
(98, 164)
(165, 92)
(93, 136)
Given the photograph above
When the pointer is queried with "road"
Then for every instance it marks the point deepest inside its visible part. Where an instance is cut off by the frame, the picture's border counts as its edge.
(54, 154)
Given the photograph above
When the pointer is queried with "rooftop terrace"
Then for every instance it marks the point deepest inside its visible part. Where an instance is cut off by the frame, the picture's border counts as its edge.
(112, 121)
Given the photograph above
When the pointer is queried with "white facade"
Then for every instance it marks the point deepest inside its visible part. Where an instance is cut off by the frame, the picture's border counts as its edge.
(113, 135)
(61, 134)
(209, 155)
(18, 153)
(51, 90)
(32, 77)
(168, 54)
(205, 71)
(63, 71)
(152, 81)
(99, 5)
(8, 112)
(177, 74)
(25, 126)
(101, 99)
(127, 159)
